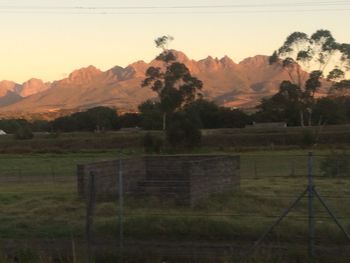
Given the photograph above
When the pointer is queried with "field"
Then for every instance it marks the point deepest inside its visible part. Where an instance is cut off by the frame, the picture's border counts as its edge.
(41, 214)
(212, 140)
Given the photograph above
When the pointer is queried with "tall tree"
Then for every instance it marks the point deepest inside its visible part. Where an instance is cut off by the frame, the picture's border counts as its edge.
(151, 115)
(173, 82)
(340, 89)
(285, 105)
(318, 54)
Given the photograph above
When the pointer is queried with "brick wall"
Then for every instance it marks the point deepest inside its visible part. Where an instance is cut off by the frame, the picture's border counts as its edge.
(107, 176)
(185, 178)
(213, 175)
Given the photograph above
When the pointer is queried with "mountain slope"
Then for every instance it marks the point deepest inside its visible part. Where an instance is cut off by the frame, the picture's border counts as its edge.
(10, 97)
(226, 82)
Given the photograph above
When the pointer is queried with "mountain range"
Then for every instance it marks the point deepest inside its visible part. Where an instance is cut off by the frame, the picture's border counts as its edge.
(228, 83)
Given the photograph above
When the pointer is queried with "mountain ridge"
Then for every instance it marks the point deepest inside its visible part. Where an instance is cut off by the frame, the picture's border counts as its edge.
(228, 83)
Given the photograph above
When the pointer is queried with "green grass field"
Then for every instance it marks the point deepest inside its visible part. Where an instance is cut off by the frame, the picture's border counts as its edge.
(38, 200)
(216, 139)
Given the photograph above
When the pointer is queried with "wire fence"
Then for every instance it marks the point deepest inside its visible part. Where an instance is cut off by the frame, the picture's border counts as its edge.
(44, 199)
(253, 167)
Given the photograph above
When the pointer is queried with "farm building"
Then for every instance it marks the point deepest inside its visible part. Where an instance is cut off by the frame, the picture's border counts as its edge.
(183, 178)
(2, 132)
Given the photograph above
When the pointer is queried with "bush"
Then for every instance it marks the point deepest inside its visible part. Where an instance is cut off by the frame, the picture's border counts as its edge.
(24, 133)
(152, 143)
(130, 120)
(183, 132)
(308, 139)
(94, 119)
(336, 164)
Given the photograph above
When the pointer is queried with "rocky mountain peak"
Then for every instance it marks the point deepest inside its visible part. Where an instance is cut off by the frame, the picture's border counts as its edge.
(180, 56)
(84, 75)
(227, 83)
(6, 86)
(209, 64)
(226, 61)
(139, 67)
(32, 86)
(258, 60)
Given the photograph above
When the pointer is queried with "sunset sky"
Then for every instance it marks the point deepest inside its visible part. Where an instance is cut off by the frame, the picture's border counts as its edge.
(48, 39)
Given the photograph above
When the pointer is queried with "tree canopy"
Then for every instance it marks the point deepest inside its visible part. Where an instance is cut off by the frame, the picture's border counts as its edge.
(320, 52)
(321, 56)
(94, 119)
(173, 82)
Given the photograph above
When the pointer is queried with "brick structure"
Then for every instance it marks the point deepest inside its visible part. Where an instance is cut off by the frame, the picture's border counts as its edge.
(184, 178)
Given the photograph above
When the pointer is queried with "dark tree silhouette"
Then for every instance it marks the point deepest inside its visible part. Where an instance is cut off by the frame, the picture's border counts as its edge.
(318, 54)
(173, 82)
(285, 105)
(94, 119)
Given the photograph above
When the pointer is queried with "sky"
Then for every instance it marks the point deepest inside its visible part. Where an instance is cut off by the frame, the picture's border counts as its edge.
(48, 39)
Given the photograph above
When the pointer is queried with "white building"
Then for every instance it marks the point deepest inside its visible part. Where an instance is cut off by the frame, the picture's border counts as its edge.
(2, 132)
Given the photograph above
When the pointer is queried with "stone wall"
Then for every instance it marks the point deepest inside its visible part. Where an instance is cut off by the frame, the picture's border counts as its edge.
(184, 178)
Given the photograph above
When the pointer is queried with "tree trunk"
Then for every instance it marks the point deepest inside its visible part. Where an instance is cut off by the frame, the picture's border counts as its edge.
(310, 117)
(320, 121)
(301, 114)
(299, 76)
(164, 121)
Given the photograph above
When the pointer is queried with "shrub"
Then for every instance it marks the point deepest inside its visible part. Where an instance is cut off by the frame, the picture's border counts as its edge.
(24, 133)
(308, 139)
(152, 143)
(183, 132)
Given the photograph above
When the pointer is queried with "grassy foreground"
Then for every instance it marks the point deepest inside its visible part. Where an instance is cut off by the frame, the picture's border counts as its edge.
(47, 208)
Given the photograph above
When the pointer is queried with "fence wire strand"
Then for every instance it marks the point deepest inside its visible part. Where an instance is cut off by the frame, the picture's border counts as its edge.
(267, 183)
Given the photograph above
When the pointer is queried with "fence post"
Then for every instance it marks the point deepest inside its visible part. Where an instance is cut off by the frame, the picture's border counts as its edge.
(312, 193)
(91, 199)
(311, 207)
(120, 214)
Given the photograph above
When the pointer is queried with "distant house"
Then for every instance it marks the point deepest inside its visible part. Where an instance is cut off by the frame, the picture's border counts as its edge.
(2, 132)
(263, 125)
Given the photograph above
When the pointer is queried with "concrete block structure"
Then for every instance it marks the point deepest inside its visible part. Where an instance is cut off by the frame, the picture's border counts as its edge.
(183, 178)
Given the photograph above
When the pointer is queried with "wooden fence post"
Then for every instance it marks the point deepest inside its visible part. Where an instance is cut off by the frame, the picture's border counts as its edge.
(90, 209)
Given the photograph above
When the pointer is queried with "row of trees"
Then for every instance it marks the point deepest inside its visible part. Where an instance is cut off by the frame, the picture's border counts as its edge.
(204, 114)
(95, 119)
(181, 111)
(326, 110)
